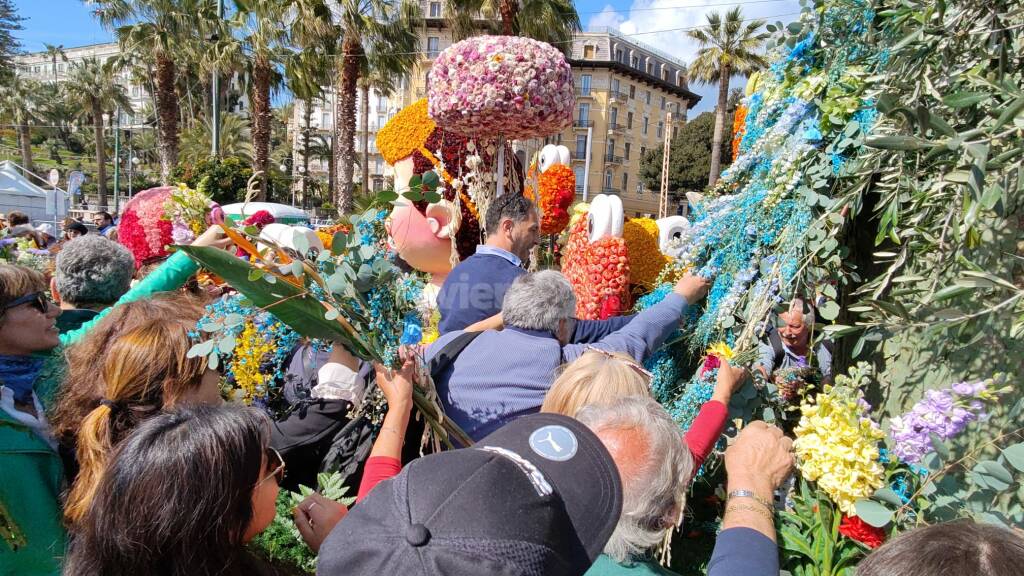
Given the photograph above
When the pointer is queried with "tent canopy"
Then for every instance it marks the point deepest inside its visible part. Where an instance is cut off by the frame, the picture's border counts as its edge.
(18, 193)
(281, 212)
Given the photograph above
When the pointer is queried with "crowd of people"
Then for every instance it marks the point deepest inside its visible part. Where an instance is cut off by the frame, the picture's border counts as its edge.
(118, 455)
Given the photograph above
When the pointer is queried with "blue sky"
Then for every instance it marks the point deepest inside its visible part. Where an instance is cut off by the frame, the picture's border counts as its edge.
(659, 23)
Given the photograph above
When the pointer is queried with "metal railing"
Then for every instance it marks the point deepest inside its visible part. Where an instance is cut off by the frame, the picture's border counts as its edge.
(612, 159)
(584, 94)
(618, 95)
(616, 127)
(582, 123)
(608, 190)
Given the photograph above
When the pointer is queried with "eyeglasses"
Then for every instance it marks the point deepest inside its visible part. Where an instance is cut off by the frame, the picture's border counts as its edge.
(635, 367)
(37, 300)
(276, 463)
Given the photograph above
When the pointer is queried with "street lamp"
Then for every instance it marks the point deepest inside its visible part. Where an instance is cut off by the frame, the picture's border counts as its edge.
(132, 165)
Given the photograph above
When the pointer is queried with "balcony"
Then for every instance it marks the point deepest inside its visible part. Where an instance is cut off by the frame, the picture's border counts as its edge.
(615, 127)
(579, 189)
(582, 124)
(617, 96)
(580, 93)
(610, 190)
(612, 159)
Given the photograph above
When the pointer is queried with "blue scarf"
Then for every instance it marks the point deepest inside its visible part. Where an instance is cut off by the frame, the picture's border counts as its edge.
(19, 373)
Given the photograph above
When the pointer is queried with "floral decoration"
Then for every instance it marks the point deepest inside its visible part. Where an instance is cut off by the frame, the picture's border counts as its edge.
(489, 86)
(645, 257)
(557, 186)
(837, 445)
(856, 529)
(739, 124)
(405, 133)
(598, 272)
(144, 228)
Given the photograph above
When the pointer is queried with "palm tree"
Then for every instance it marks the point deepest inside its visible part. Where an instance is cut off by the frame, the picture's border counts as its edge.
(552, 21)
(55, 52)
(161, 28)
(19, 102)
(96, 92)
(382, 82)
(381, 31)
(728, 48)
(235, 139)
(321, 147)
(308, 72)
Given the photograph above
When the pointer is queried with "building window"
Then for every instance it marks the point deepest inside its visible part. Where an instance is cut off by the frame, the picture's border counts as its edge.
(614, 116)
(584, 114)
(381, 121)
(625, 181)
(635, 62)
(647, 97)
(611, 149)
(581, 148)
(588, 52)
(629, 120)
(647, 122)
(639, 189)
(325, 120)
(378, 166)
(382, 103)
(615, 84)
(608, 179)
(664, 74)
(433, 43)
(625, 148)
(675, 131)
(585, 84)
(662, 102)
(619, 56)
(661, 129)
(579, 177)
(643, 151)
(650, 67)
(632, 91)
(435, 9)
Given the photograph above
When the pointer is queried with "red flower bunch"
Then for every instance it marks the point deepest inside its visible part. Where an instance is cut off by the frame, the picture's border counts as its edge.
(598, 273)
(260, 219)
(710, 363)
(856, 529)
(143, 228)
(557, 188)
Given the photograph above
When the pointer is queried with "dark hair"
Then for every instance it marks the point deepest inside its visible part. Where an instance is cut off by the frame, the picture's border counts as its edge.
(962, 548)
(17, 218)
(106, 215)
(509, 205)
(76, 226)
(190, 473)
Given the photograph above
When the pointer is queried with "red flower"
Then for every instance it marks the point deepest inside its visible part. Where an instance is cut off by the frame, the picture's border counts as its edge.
(710, 363)
(856, 529)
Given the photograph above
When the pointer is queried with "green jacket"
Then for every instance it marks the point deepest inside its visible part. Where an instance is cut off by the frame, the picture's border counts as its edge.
(32, 534)
(605, 566)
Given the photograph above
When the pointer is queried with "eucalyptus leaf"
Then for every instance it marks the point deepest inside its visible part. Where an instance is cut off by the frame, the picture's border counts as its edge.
(995, 476)
(888, 496)
(1014, 454)
(829, 310)
(873, 513)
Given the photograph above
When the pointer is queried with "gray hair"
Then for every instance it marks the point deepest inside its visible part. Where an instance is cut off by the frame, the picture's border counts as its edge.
(538, 301)
(93, 270)
(654, 490)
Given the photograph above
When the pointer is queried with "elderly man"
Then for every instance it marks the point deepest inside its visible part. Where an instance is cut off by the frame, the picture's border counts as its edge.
(91, 274)
(788, 345)
(493, 377)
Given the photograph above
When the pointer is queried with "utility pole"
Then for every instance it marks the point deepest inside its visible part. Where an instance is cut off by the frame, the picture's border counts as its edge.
(586, 163)
(663, 203)
(215, 136)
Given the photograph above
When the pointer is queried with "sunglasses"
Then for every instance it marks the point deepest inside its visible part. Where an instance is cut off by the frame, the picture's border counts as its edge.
(633, 365)
(276, 464)
(37, 300)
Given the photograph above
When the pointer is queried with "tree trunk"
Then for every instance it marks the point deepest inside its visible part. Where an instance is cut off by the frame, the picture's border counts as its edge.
(364, 125)
(101, 155)
(330, 169)
(167, 117)
(307, 120)
(25, 141)
(260, 96)
(345, 123)
(716, 143)
(508, 10)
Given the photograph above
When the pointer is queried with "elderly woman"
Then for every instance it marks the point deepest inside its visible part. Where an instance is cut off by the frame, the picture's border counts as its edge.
(91, 274)
(31, 370)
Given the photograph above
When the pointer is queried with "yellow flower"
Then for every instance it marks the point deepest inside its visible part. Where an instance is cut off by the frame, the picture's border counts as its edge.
(645, 258)
(245, 365)
(721, 350)
(406, 132)
(837, 446)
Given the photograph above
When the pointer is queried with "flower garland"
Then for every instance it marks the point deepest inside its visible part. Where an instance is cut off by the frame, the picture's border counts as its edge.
(489, 86)
(837, 445)
(646, 260)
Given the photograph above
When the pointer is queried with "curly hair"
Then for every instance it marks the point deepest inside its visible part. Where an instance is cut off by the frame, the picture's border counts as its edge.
(93, 270)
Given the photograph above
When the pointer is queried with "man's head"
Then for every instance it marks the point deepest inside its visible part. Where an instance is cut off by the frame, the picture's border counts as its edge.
(16, 218)
(541, 301)
(655, 467)
(513, 224)
(101, 219)
(947, 549)
(92, 272)
(795, 324)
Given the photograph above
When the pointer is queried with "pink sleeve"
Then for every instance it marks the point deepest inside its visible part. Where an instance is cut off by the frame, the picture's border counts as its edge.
(704, 432)
(378, 469)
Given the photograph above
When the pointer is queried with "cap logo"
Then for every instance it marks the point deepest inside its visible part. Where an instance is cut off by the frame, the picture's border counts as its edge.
(554, 442)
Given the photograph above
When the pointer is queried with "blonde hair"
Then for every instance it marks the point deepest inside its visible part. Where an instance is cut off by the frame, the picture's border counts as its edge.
(18, 281)
(127, 369)
(596, 378)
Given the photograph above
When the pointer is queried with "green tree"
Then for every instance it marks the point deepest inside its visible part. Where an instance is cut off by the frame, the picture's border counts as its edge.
(55, 53)
(383, 84)
(307, 72)
(728, 48)
(10, 22)
(96, 92)
(552, 21)
(19, 103)
(689, 159)
(380, 30)
(235, 139)
(163, 29)
(223, 179)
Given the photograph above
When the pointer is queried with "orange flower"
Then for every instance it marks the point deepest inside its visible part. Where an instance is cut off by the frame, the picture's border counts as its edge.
(557, 187)
(739, 127)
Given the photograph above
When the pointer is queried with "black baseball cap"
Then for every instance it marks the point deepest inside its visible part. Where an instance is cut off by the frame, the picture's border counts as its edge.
(538, 497)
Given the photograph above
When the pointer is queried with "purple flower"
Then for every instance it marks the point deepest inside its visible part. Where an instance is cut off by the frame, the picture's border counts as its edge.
(944, 413)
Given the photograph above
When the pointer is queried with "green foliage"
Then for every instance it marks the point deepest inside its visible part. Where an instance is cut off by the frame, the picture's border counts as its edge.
(10, 22)
(809, 536)
(222, 180)
(690, 156)
(281, 543)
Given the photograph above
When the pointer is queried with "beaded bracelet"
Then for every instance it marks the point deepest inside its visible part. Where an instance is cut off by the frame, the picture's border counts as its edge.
(737, 507)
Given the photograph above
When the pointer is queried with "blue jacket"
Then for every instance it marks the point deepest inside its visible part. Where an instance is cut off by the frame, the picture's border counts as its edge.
(474, 291)
(502, 375)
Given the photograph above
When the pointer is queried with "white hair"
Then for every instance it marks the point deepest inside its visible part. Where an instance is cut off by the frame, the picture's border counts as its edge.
(653, 491)
(538, 301)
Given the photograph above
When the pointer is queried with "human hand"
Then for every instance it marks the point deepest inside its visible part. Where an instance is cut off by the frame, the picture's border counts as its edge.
(692, 287)
(759, 459)
(397, 385)
(213, 237)
(315, 517)
(730, 379)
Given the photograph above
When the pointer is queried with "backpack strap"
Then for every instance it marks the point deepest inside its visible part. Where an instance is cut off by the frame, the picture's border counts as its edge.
(779, 352)
(444, 359)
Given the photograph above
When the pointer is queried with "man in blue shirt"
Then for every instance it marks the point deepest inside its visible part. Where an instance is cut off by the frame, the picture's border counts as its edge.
(475, 289)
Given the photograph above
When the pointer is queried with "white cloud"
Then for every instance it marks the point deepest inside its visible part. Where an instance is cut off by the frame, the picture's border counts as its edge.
(647, 16)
